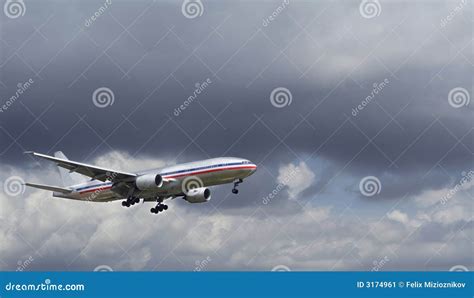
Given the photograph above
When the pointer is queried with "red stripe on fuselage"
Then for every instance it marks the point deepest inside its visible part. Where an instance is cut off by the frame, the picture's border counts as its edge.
(209, 171)
(181, 175)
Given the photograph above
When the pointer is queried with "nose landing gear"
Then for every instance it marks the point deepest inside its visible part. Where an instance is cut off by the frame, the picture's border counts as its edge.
(236, 183)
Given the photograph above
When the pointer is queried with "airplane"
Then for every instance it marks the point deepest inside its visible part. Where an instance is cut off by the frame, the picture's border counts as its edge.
(190, 181)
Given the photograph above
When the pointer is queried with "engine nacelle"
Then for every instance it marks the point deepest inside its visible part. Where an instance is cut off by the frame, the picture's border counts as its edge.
(149, 181)
(198, 195)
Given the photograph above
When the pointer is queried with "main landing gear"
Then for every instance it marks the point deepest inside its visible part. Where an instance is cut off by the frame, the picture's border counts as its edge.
(236, 183)
(159, 208)
(130, 201)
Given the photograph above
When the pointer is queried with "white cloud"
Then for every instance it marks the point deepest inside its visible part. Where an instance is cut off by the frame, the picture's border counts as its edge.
(71, 235)
(397, 215)
(296, 177)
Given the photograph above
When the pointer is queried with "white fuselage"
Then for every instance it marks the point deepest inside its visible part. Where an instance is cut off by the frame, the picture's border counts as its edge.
(205, 173)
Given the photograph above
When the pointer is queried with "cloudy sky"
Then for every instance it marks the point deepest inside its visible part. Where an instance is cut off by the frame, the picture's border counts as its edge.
(358, 115)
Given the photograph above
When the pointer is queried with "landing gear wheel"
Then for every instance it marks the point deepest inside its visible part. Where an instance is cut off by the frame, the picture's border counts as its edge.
(235, 191)
(152, 210)
(125, 204)
(137, 200)
(165, 207)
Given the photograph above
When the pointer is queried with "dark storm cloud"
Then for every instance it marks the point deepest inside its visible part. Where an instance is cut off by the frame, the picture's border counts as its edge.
(325, 53)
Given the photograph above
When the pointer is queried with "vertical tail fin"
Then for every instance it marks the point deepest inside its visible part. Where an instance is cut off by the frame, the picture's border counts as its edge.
(68, 178)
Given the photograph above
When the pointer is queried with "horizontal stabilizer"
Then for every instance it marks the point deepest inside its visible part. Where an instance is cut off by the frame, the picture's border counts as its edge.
(49, 187)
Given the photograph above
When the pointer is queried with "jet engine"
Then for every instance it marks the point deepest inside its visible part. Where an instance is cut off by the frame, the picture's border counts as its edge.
(198, 195)
(149, 181)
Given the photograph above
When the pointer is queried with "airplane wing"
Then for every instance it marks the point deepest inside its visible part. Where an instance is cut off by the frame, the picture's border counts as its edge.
(49, 187)
(94, 172)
